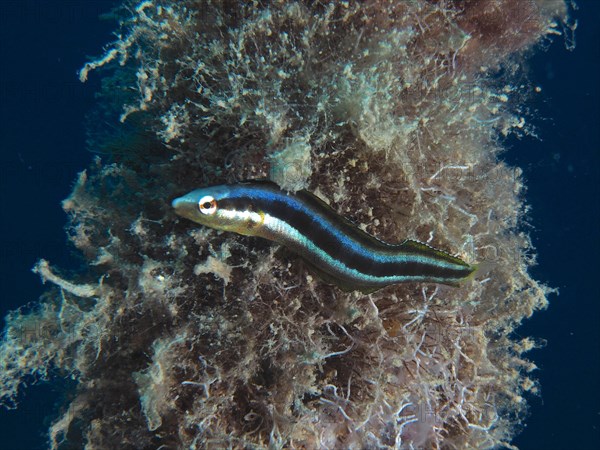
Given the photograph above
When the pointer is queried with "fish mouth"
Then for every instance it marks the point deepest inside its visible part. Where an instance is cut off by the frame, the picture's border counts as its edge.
(184, 207)
(177, 203)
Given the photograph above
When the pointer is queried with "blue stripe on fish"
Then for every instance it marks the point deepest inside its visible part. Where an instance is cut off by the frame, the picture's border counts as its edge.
(340, 251)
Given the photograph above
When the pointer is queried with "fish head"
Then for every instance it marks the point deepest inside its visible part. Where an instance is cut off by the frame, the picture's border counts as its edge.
(222, 207)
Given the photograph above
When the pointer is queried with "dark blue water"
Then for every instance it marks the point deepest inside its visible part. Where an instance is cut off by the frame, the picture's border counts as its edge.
(563, 177)
(42, 140)
(42, 103)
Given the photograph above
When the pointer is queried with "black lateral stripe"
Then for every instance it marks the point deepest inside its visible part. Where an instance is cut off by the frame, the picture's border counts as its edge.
(323, 237)
(327, 240)
(342, 224)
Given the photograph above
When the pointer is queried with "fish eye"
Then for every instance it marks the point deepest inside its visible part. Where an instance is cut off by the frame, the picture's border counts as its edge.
(207, 205)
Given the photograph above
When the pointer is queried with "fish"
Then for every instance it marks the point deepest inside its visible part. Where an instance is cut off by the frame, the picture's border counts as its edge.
(338, 251)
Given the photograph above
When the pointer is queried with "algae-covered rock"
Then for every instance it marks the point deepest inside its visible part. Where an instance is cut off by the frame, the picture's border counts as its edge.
(184, 337)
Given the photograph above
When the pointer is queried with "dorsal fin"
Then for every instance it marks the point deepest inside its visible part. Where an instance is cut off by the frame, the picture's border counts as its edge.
(419, 247)
(349, 227)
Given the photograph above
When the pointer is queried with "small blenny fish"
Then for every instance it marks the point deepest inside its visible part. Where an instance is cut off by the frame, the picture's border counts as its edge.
(338, 250)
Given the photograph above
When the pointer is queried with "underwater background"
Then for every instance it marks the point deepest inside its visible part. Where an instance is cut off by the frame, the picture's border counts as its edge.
(44, 44)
